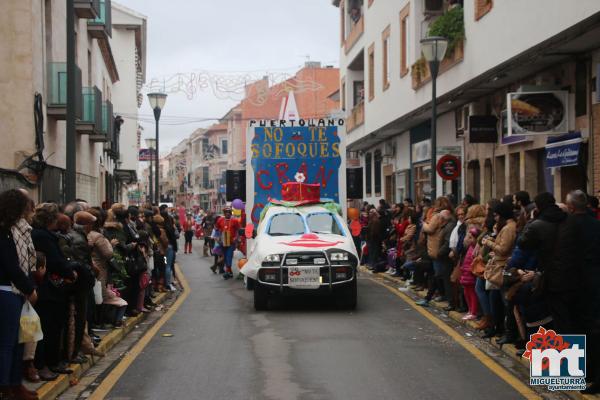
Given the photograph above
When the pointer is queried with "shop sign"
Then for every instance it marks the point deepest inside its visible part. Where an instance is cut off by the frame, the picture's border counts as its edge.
(563, 153)
(483, 129)
(448, 167)
(538, 113)
(421, 151)
(146, 155)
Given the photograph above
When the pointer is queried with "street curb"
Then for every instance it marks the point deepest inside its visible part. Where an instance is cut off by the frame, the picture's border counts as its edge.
(508, 349)
(51, 390)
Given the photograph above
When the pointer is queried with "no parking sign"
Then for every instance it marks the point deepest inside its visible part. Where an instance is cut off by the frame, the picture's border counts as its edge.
(448, 167)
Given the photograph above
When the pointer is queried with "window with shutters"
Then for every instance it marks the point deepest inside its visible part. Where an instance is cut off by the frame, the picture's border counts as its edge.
(404, 40)
(385, 41)
(368, 182)
(371, 72)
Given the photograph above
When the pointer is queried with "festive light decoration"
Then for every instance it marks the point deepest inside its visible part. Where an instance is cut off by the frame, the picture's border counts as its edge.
(230, 86)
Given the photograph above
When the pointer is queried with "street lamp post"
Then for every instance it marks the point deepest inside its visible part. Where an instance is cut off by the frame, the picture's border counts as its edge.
(434, 49)
(157, 102)
(151, 143)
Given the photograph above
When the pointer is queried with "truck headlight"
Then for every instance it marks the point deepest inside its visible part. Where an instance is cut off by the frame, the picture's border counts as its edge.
(273, 258)
(269, 275)
(339, 257)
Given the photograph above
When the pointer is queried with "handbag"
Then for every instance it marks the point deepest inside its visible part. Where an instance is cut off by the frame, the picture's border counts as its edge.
(98, 292)
(494, 273)
(510, 277)
(30, 327)
(478, 267)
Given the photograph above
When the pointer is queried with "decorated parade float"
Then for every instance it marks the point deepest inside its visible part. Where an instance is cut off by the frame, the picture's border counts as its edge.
(299, 242)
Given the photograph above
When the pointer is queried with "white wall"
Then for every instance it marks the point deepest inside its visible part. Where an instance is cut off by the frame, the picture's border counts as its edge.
(124, 95)
(489, 42)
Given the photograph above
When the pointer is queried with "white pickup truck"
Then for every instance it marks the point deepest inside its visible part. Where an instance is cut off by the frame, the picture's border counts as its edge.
(302, 250)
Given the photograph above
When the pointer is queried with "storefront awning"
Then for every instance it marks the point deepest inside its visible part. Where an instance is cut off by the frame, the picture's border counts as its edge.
(563, 151)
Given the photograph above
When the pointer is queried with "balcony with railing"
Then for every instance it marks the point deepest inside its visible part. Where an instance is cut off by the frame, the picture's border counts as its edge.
(91, 119)
(356, 31)
(356, 117)
(57, 91)
(420, 73)
(89, 9)
(451, 26)
(101, 26)
(105, 132)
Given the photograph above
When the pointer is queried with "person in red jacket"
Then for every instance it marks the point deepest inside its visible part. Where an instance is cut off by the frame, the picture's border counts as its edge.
(229, 228)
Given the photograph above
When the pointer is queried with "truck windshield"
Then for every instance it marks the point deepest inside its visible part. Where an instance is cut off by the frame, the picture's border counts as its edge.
(323, 223)
(286, 224)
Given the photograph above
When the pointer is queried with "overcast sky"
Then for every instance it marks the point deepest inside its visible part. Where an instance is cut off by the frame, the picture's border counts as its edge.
(226, 38)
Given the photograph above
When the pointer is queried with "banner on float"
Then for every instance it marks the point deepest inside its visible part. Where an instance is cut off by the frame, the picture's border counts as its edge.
(279, 150)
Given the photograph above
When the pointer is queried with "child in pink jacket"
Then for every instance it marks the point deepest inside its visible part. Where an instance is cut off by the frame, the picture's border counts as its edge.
(467, 279)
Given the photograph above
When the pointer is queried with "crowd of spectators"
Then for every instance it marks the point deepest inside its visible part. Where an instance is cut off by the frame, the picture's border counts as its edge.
(84, 270)
(513, 264)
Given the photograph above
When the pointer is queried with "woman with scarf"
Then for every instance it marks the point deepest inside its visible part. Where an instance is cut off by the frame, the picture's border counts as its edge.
(16, 252)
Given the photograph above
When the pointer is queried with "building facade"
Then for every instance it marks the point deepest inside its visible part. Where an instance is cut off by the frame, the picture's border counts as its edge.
(33, 61)
(385, 90)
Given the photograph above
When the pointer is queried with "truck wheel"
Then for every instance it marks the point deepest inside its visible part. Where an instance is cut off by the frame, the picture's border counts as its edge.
(250, 283)
(347, 297)
(261, 297)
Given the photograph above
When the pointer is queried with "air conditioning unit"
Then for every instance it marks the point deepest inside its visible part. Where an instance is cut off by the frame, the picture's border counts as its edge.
(389, 149)
(433, 7)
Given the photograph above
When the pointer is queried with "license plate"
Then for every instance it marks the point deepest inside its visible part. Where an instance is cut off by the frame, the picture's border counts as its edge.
(304, 277)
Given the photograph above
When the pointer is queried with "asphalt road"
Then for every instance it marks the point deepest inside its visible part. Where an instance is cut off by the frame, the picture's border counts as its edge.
(222, 349)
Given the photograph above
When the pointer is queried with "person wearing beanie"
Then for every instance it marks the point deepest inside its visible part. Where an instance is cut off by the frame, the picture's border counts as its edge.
(83, 218)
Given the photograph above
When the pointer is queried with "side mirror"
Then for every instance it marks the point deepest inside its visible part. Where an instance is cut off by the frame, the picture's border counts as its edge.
(250, 232)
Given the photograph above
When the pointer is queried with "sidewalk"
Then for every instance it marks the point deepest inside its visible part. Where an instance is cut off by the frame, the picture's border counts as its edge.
(509, 349)
(51, 390)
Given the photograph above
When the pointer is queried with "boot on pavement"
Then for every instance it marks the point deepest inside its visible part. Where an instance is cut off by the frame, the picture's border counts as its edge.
(30, 373)
(485, 323)
(47, 375)
(20, 392)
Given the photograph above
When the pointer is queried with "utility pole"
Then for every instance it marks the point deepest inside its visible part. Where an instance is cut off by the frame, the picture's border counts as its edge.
(71, 145)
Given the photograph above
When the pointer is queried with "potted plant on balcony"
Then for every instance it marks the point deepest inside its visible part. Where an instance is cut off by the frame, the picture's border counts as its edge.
(451, 25)
(419, 72)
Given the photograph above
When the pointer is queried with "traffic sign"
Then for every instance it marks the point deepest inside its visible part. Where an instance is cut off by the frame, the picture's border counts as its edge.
(448, 167)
